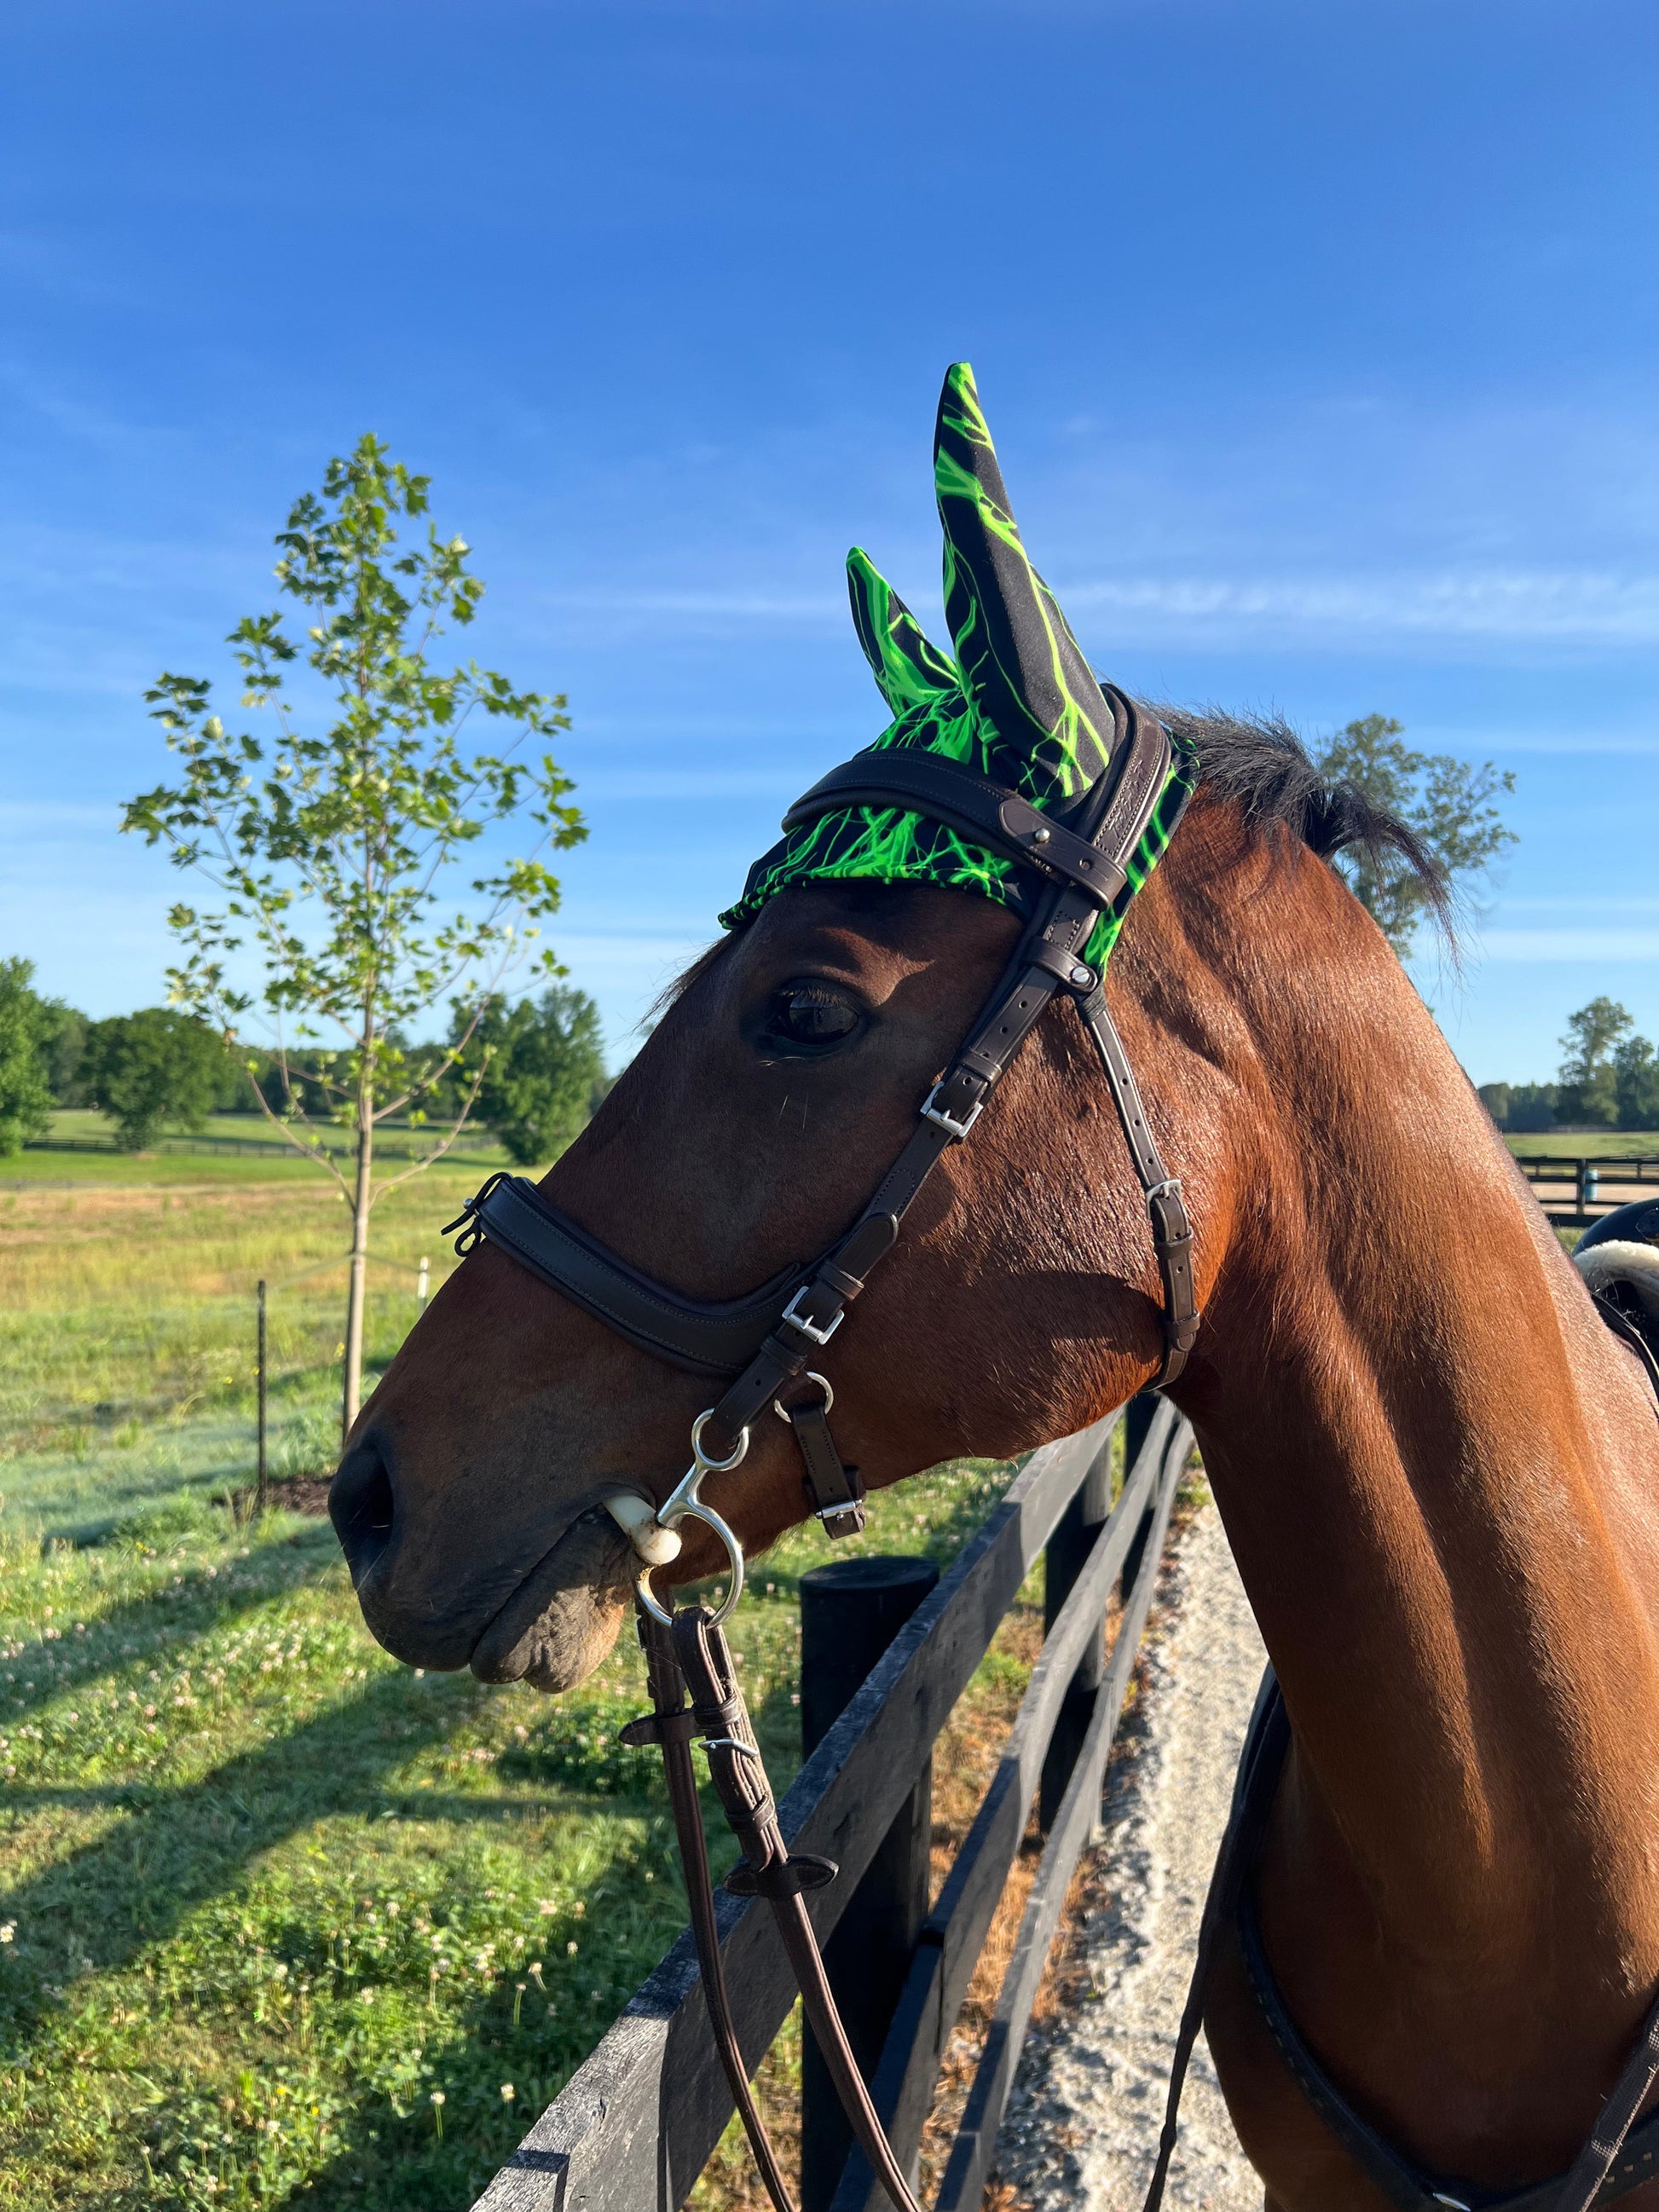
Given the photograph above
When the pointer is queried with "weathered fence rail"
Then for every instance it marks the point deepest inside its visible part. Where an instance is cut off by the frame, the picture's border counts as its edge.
(637, 2124)
(1574, 1192)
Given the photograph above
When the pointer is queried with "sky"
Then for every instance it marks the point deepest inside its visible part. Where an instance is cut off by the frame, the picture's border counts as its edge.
(1319, 345)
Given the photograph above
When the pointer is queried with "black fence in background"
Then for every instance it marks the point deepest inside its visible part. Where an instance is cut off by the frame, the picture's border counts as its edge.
(637, 2124)
(1574, 1192)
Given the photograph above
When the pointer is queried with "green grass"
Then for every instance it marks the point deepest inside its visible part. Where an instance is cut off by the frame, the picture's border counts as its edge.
(231, 1148)
(1586, 1144)
(263, 1892)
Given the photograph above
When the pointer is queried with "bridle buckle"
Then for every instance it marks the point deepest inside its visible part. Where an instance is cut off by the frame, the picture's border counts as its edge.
(958, 1129)
(809, 1328)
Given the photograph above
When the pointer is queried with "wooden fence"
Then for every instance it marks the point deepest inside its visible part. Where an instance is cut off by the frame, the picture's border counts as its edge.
(635, 2127)
(1574, 1192)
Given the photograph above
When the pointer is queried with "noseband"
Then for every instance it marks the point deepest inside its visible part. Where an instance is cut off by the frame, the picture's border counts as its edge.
(767, 1341)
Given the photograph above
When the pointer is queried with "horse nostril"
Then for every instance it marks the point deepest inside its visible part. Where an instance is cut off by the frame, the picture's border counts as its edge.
(361, 1505)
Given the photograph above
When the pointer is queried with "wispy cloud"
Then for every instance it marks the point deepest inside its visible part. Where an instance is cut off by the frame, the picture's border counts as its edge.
(1592, 945)
(1559, 607)
(1528, 606)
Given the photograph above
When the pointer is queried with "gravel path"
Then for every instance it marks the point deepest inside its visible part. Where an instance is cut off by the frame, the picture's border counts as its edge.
(1083, 2124)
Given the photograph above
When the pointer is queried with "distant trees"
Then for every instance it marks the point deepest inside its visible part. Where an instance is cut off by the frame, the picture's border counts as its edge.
(152, 1068)
(1450, 802)
(26, 1026)
(540, 1070)
(1609, 1078)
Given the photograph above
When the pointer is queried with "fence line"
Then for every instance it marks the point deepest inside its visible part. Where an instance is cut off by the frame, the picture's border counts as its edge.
(635, 2125)
(1576, 1191)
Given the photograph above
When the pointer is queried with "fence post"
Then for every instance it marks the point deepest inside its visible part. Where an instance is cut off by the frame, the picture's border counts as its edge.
(260, 1483)
(1067, 1550)
(1137, 1421)
(850, 1611)
(423, 1280)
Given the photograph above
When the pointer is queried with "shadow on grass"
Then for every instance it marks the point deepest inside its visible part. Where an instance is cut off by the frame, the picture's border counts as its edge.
(185, 1846)
(134, 1629)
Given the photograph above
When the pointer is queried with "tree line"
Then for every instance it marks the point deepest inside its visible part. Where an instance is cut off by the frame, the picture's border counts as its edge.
(1608, 1079)
(534, 1071)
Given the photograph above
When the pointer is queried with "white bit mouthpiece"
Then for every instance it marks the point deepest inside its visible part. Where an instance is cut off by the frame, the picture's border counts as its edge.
(636, 1517)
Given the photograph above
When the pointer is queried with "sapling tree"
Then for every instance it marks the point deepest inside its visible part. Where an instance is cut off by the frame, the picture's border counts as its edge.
(335, 837)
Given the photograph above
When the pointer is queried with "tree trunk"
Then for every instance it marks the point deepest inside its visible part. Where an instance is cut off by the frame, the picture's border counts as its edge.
(351, 1393)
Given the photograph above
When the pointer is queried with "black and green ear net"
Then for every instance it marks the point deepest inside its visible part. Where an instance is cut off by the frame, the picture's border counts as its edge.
(1019, 703)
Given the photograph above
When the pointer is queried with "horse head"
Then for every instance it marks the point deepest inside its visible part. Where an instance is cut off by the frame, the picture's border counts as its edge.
(1023, 1299)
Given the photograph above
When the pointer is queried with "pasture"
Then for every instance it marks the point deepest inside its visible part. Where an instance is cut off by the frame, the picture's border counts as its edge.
(281, 1916)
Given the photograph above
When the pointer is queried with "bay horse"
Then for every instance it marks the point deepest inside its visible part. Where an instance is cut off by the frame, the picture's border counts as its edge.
(1437, 1471)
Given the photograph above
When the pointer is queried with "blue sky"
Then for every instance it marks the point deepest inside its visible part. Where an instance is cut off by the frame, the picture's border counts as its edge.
(1319, 345)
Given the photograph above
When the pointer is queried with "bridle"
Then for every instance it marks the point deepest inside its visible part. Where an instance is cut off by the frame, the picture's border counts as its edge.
(765, 1344)
(768, 1341)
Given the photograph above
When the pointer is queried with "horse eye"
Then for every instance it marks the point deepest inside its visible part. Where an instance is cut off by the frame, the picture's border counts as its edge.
(810, 1017)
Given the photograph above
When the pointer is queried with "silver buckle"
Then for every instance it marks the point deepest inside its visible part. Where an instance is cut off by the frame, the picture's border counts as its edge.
(809, 1328)
(1162, 1190)
(948, 1122)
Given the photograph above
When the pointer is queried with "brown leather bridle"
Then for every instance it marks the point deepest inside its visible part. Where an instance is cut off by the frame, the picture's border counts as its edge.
(770, 1340)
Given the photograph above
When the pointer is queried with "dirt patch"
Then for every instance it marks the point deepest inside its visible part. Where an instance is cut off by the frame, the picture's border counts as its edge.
(293, 1493)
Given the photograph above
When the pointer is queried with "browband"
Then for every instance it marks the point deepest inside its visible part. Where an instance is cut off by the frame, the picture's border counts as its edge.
(946, 792)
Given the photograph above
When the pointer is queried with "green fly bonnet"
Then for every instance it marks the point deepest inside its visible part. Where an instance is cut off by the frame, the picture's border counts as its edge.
(1019, 705)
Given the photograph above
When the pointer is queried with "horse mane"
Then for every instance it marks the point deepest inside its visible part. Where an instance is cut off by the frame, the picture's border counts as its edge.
(1258, 763)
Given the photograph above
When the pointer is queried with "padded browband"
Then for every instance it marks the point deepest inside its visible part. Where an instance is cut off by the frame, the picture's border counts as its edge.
(717, 1337)
(946, 792)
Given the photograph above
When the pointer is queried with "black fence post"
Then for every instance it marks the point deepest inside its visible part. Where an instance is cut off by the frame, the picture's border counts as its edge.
(1137, 1423)
(850, 1611)
(1068, 1548)
(261, 1486)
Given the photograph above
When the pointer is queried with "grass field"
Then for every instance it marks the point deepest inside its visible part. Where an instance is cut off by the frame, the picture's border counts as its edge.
(1586, 1144)
(279, 1916)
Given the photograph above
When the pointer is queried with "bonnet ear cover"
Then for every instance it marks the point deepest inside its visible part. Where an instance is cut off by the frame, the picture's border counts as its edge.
(1019, 704)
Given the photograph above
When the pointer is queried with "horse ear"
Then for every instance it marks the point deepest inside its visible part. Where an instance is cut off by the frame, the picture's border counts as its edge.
(1020, 665)
(910, 671)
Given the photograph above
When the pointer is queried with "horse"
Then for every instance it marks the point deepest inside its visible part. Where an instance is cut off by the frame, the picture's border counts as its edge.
(1436, 1469)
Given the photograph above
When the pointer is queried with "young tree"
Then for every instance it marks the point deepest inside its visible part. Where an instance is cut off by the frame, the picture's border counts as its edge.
(1589, 1080)
(541, 1069)
(1451, 805)
(334, 838)
(26, 1026)
(147, 1069)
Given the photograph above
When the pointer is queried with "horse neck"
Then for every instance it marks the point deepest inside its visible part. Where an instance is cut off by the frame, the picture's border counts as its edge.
(1436, 1469)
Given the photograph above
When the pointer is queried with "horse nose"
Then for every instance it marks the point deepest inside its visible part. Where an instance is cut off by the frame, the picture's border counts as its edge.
(363, 1506)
